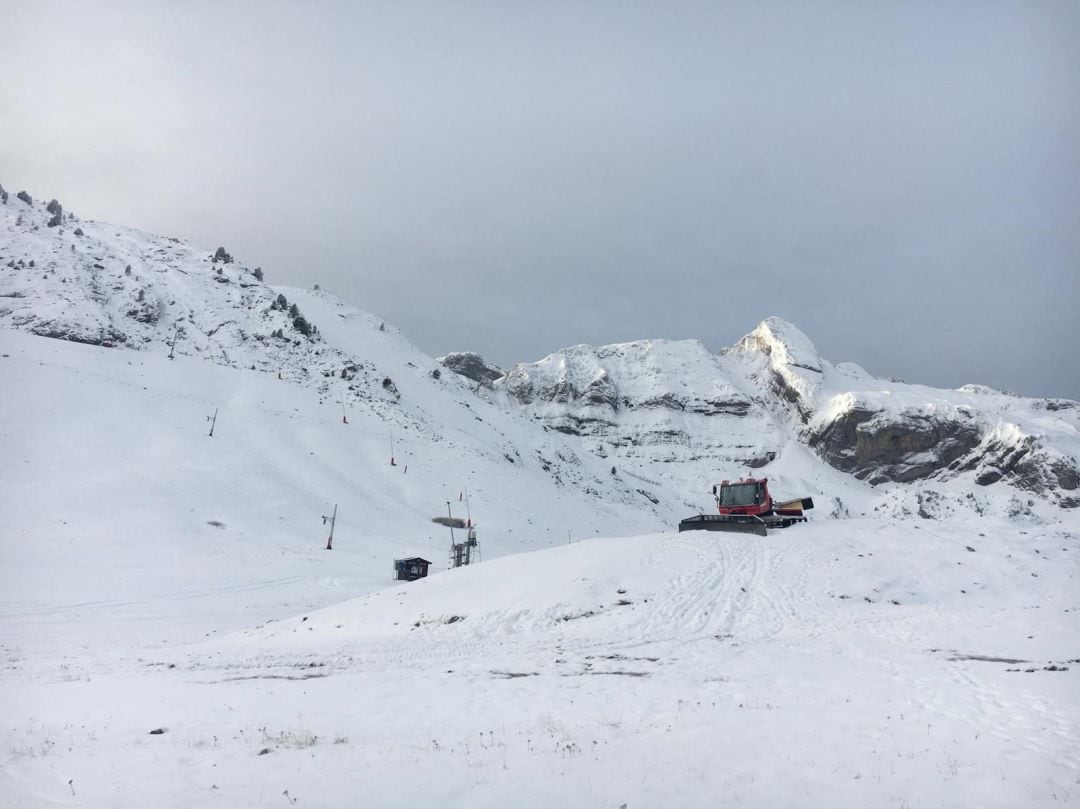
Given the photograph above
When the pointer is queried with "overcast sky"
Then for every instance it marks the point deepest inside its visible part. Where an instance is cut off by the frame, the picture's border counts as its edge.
(900, 180)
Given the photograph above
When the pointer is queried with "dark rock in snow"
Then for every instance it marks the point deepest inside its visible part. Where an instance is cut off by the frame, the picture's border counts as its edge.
(1025, 464)
(880, 447)
(471, 366)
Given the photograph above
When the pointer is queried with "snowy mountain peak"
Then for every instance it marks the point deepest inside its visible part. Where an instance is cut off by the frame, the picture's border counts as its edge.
(784, 343)
(785, 360)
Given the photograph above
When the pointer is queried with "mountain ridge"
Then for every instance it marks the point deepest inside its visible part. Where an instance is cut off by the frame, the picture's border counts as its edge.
(648, 405)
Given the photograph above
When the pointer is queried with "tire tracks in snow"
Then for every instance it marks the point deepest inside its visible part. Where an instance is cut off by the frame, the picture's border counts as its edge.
(749, 589)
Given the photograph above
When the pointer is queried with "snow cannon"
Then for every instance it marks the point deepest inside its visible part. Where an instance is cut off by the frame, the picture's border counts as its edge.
(746, 507)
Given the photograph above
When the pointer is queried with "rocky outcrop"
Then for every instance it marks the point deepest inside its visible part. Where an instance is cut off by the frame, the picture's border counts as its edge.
(1020, 460)
(76, 332)
(904, 446)
(878, 446)
(471, 366)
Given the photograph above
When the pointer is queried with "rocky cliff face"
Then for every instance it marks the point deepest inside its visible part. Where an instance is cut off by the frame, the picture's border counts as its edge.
(879, 446)
(664, 400)
(904, 434)
(883, 431)
(676, 400)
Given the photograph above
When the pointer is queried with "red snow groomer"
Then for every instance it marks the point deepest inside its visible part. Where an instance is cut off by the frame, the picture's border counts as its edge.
(746, 507)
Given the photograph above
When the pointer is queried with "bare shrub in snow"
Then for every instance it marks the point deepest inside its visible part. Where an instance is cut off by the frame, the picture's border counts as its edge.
(57, 211)
(301, 325)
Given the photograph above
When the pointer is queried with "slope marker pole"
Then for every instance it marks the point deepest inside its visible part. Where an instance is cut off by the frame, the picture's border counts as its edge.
(331, 519)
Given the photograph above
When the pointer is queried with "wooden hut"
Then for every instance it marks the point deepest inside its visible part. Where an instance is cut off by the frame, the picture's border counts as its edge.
(410, 569)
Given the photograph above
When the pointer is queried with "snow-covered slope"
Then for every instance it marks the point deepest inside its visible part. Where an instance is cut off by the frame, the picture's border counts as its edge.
(854, 663)
(118, 287)
(352, 365)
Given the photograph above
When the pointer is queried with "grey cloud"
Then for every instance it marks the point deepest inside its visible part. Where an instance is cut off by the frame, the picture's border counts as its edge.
(901, 181)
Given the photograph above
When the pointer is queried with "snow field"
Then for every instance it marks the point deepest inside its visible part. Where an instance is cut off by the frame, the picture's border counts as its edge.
(152, 577)
(736, 673)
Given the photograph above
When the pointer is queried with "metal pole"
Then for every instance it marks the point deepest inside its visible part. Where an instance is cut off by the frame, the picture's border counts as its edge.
(333, 519)
(213, 422)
